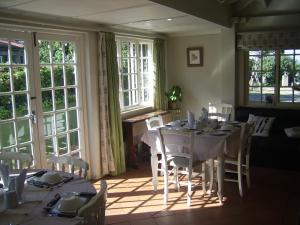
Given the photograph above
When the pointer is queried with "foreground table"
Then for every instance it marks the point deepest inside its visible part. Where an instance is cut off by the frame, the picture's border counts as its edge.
(35, 199)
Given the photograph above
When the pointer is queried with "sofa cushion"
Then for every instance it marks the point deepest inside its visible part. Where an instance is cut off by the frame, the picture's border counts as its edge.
(262, 124)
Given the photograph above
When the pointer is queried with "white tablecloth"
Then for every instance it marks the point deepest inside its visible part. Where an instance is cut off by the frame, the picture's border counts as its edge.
(35, 199)
(205, 146)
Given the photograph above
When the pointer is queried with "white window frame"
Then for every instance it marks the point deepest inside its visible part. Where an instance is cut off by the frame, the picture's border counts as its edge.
(139, 103)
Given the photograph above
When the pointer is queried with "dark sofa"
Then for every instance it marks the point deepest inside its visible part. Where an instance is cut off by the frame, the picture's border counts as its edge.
(277, 150)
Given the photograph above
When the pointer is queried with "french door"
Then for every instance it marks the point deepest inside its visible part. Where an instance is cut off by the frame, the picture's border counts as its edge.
(40, 109)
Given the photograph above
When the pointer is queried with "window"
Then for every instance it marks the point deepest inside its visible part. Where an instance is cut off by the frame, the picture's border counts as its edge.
(274, 77)
(135, 71)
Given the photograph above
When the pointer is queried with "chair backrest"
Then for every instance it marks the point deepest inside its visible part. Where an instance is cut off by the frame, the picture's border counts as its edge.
(176, 142)
(93, 212)
(61, 162)
(154, 122)
(245, 139)
(220, 111)
(16, 160)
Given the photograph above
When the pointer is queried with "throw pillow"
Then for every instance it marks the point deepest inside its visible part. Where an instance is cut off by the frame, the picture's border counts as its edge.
(293, 132)
(262, 124)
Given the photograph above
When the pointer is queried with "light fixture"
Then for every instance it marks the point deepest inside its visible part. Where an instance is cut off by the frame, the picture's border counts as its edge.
(169, 19)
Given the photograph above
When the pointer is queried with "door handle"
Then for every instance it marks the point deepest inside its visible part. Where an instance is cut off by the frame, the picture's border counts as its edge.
(33, 117)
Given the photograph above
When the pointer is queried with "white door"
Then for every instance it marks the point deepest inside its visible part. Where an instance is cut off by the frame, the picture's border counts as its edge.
(39, 95)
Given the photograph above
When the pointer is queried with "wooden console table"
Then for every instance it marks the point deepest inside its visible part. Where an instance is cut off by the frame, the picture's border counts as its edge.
(133, 129)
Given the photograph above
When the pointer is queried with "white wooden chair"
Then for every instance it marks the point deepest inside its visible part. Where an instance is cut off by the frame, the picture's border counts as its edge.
(61, 162)
(154, 123)
(221, 112)
(177, 148)
(16, 160)
(240, 164)
(93, 212)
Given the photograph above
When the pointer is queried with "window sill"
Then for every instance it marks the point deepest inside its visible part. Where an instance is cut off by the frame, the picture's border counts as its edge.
(136, 111)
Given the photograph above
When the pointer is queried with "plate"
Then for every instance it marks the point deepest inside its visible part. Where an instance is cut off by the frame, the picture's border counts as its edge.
(217, 133)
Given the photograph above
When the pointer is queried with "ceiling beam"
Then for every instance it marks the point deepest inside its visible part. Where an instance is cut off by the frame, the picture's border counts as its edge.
(211, 10)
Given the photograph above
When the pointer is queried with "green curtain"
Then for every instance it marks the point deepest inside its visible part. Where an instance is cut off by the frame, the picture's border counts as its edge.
(159, 74)
(113, 104)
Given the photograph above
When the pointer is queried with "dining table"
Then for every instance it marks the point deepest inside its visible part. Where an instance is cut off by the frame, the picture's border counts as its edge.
(35, 199)
(208, 144)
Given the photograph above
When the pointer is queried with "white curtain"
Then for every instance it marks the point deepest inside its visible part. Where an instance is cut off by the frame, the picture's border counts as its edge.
(106, 154)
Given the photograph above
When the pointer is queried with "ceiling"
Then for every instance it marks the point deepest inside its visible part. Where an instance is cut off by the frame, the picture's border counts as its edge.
(173, 18)
(129, 14)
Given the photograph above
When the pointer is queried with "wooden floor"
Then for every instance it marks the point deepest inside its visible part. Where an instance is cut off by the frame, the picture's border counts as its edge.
(274, 199)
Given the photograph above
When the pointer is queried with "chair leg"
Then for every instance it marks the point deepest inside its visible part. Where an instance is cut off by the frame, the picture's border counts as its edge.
(211, 175)
(240, 179)
(166, 185)
(154, 166)
(175, 179)
(189, 197)
(203, 176)
(248, 171)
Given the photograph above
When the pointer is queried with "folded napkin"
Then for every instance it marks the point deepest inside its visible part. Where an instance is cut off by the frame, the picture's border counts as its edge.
(4, 175)
(204, 114)
(191, 119)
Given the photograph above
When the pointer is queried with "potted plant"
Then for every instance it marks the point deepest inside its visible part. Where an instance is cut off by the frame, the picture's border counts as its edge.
(174, 95)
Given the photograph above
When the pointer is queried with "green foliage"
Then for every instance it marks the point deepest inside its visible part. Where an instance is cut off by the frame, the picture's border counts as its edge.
(174, 94)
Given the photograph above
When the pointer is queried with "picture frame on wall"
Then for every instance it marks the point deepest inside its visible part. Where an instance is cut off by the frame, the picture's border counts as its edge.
(195, 56)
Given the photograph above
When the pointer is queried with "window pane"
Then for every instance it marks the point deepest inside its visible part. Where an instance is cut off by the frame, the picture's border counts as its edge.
(254, 63)
(269, 63)
(62, 144)
(4, 59)
(297, 62)
(6, 107)
(44, 51)
(57, 55)
(254, 52)
(72, 119)
(49, 146)
(145, 65)
(254, 79)
(254, 94)
(125, 49)
(58, 76)
(288, 51)
(4, 79)
(297, 78)
(17, 51)
(70, 74)
(144, 50)
(74, 143)
(286, 95)
(145, 80)
(23, 131)
(21, 105)
(125, 82)
(133, 50)
(45, 74)
(7, 134)
(48, 121)
(72, 97)
(59, 99)
(268, 79)
(124, 65)
(297, 96)
(133, 81)
(19, 77)
(61, 122)
(47, 101)
(146, 95)
(69, 52)
(126, 98)
(268, 94)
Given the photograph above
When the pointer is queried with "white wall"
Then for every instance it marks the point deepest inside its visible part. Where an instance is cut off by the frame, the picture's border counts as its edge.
(214, 81)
